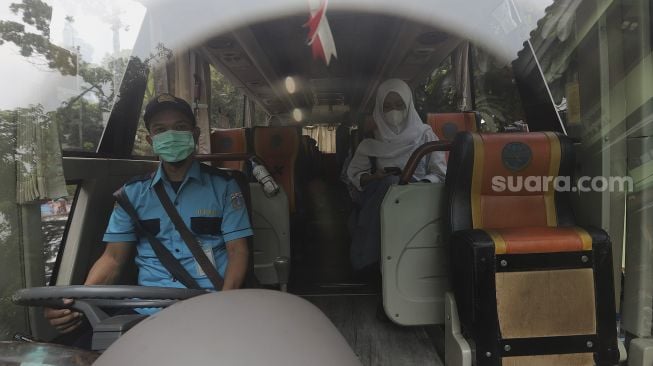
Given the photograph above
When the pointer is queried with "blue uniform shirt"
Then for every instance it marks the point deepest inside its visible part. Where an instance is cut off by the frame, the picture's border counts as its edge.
(210, 204)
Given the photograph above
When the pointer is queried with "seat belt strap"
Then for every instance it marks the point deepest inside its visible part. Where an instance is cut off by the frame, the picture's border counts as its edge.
(188, 237)
(168, 261)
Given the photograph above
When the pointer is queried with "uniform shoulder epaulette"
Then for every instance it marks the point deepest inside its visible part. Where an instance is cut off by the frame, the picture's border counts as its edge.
(140, 178)
(211, 170)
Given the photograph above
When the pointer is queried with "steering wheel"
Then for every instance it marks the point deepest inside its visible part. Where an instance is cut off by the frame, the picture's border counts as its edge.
(89, 299)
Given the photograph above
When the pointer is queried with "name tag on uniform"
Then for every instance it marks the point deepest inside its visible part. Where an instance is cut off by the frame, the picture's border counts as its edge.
(209, 253)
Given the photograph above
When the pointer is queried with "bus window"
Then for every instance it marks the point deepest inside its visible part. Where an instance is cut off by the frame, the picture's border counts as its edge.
(89, 69)
(439, 92)
(227, 102)
(55, 216)
(261, 117)
(496, 96)
(325, 135)
(581, 68)
(141, 146)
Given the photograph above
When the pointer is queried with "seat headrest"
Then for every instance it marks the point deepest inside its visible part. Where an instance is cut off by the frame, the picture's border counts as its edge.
(229, 141)
(447, 125)
(507, 180)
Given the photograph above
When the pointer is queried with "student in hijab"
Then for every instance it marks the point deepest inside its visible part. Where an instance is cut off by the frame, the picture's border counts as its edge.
(373, 168)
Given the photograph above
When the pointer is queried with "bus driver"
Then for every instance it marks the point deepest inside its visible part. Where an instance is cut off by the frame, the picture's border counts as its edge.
(209, 202)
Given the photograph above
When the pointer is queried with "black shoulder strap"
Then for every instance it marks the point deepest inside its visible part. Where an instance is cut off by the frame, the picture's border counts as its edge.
(167, 259)
(190, 240)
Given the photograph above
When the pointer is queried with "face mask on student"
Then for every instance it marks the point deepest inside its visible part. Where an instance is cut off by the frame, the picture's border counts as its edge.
(396, 117)
(172, 146)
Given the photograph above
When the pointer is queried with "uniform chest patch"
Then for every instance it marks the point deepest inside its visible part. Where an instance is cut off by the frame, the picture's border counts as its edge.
(206, 212)
(237, 201)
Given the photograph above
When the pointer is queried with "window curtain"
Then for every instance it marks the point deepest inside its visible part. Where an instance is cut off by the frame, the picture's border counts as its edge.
(39, 173)
(325, 135)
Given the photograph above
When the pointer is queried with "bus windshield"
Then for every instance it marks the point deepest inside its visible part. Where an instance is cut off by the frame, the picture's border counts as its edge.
(77, 75)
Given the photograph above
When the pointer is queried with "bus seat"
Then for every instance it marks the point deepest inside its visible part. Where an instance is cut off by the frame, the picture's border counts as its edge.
(531, 287)
(446, 125)
(232, 140)
(241, 179)
(278, 148)
(271, 225)
(414, 265)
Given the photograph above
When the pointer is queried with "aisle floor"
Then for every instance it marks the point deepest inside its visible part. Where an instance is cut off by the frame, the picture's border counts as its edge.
(377, 343)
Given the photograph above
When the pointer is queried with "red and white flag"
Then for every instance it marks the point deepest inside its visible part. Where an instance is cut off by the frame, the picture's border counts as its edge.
(319, 33)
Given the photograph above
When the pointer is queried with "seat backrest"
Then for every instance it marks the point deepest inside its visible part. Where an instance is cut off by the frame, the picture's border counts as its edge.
(506, 180)
(446, 125)
(278, 148)
(229, 141)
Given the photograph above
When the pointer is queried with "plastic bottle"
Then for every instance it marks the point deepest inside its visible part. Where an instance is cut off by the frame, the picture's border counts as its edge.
(621, 333)
(270, 187)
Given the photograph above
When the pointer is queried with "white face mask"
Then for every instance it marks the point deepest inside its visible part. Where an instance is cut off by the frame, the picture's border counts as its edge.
(395, 117)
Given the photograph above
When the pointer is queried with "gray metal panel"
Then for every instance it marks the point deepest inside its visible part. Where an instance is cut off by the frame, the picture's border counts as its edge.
(413, 255)
(239, 327)
(638, 287)
(270, 221)
(457, 350)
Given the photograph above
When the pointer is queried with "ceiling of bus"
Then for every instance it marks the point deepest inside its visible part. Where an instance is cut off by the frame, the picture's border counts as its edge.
(258, 58)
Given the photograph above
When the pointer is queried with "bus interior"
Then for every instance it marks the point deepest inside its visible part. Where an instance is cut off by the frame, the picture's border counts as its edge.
(291, 85)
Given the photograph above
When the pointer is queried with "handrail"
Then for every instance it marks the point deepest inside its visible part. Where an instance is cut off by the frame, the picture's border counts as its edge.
(224, 156)
(232, 157)
(418, 154)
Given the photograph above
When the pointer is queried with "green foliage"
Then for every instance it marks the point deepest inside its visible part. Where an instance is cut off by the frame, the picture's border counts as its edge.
(38, 14)
(8, 121)
(80, 124)
(225, 100)
(438, 93)
(80, 117)
(496, 95)
(141, 146)
(71, 189)
(260, 116)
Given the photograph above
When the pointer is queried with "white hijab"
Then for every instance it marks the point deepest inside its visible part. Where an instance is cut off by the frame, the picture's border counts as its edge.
(387, 143)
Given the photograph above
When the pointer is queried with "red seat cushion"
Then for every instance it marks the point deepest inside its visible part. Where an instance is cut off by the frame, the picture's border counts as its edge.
(522, 240)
